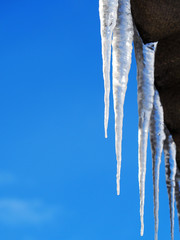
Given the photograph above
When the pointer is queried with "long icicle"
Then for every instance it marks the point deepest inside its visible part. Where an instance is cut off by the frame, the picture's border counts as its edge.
(122, 49)
(170, 166)
(145, 76)
(157, 138)
(177, 193)
(108, 16)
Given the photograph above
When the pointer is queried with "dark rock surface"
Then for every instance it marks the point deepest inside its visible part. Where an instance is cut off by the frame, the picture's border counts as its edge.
(159, 20)
(156, 19)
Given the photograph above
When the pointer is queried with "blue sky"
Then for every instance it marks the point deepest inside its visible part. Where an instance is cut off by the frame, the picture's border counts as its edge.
(57, 171)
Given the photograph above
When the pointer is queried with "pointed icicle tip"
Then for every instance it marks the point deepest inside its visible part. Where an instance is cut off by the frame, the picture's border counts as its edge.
(118, 178)
(105, 129)
(108, 16)
(118, 188)
(157, 138)
(145, 77)
(170, 166)
(122, 49)
(142, 229)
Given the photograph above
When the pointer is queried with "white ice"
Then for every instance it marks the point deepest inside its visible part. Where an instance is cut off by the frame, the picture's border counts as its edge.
(157, 137)
(122, 49)
(117, 30)
(170, 166)
(108, 16)
(145, 76)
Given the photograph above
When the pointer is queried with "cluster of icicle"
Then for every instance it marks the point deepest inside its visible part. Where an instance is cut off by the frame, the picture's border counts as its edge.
(118, 31)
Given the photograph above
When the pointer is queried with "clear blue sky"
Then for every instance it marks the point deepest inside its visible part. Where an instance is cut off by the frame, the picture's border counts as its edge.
(57, 171)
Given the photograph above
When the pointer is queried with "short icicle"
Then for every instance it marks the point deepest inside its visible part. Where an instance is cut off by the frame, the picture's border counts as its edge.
(177, 193)
(108, 16)
(157, 138)
(145, 76)
(122, 49)
(170, 166)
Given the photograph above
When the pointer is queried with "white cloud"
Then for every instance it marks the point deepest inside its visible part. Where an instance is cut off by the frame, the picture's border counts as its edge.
(18, 212)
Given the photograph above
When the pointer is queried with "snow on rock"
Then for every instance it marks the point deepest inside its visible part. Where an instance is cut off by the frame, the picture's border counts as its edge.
(108, 16)
(145, 76)
(170, 166)
(122, 49)
(157, 138)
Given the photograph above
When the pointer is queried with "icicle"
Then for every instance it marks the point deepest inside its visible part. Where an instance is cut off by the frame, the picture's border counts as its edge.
(177, 193)
(170, 166)
(108, 16)
(157, 137)
(122, 48)
(145, 76)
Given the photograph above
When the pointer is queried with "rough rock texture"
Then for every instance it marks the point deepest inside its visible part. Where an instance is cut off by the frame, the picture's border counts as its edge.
(159, 20)
(167, 81)
(156, 19)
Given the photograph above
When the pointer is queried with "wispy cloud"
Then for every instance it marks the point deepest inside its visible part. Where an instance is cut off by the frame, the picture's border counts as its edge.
(18, 212)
